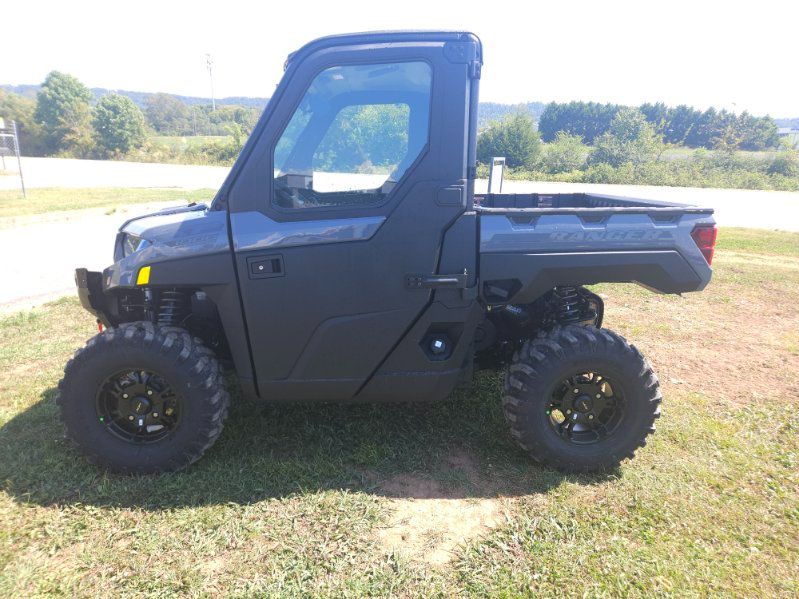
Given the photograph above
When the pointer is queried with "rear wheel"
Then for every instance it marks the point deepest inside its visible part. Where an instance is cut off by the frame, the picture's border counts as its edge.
(141, 398)
(580, 399)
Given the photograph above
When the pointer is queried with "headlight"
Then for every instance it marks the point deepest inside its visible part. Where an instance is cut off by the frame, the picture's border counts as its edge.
(129, 244)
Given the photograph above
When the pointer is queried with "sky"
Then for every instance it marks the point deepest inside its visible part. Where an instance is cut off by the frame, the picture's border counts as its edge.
(735, 55)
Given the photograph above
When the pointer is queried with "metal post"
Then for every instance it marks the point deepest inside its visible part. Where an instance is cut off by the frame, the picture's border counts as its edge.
(496, 174)
(210, 64)
(19, 160)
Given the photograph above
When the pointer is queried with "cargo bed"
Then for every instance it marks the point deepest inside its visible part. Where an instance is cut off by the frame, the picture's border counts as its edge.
(571, 202)
(533, 242)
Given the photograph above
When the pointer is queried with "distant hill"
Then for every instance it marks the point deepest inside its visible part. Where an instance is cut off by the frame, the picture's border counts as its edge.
(494, 111)
(140, 98)
(787, 123)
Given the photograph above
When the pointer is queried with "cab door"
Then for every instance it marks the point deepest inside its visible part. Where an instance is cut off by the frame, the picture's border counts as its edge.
(355, 173)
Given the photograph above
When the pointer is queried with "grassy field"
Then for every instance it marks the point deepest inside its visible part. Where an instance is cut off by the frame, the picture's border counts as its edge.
(43, 200)
(390, 500)
(182, 142)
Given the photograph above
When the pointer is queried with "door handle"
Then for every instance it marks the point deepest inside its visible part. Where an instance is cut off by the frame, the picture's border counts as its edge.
(265, 267)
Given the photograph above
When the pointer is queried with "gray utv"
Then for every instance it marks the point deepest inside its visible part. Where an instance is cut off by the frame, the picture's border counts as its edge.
(347, 257)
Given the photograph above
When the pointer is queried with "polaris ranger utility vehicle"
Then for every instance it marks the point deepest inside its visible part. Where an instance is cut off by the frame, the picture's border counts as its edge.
(347, 258)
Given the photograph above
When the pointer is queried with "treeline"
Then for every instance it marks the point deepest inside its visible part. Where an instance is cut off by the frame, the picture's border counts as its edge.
(631, 151)
(681, 125)
(169, 115)
(62, 120)
(66, 119)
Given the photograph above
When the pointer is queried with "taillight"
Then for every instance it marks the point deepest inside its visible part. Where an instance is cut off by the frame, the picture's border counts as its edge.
(705, 238)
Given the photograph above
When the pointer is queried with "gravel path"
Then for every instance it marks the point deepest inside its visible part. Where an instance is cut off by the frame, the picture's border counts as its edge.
(69, 172)
(40, 253)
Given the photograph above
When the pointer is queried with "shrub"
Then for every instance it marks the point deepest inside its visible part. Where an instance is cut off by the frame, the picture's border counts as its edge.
(515, 138)
(785, 163)
(566, 153)
(630, 139)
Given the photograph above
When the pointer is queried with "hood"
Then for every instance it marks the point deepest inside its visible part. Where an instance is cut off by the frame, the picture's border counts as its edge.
(134, 224)
(184, 229)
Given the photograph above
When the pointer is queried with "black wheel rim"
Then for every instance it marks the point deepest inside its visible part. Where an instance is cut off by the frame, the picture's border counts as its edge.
(138, 406)
(586, 408)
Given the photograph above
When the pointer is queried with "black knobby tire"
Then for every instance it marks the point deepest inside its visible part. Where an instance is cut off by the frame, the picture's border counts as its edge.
(189, 368)
(537, 374)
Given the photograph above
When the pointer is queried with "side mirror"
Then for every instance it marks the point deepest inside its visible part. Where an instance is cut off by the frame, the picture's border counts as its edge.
(496, 173)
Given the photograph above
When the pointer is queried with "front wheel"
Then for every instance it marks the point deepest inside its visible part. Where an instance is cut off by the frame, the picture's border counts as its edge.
(580, 399)
(141, 398)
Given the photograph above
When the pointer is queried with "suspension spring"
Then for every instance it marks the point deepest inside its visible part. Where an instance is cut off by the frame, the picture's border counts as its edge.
(173, 307)
(568, 304)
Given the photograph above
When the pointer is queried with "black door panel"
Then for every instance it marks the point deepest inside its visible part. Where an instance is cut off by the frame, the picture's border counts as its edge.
(324, 317)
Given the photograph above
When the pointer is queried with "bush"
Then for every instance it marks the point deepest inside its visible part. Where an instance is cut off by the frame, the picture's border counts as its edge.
(515, 138)
(118, 125)
(696, 172)
(786, 163)
(630, 139)
(566, 153)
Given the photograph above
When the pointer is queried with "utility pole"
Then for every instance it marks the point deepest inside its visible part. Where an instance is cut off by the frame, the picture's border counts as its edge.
(209, 63)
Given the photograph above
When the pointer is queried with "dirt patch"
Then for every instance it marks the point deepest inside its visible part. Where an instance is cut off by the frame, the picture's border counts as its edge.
(780, 261)
(432, 517)
(735, 341)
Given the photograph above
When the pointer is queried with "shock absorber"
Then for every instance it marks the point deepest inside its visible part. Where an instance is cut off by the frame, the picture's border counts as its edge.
(173, 307)
(567, 305)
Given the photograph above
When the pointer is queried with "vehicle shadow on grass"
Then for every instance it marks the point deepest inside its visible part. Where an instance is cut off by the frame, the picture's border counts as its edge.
(454, 449)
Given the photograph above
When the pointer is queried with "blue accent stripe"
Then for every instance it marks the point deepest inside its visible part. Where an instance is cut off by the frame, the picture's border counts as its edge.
(256, 231)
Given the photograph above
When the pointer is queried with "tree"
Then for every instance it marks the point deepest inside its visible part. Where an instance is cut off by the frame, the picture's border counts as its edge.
(62, 110)
(758, 133)
(17, 108)
(168, 115)
(682, 121)
(566, 153)
(589, 120)
(515, 138)
(630, 139)
(118, 124)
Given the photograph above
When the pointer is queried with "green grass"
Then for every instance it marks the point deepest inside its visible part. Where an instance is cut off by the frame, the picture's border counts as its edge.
(758, 241)
(297, 499)
(181, 142)
(40, 201)
(679, 152)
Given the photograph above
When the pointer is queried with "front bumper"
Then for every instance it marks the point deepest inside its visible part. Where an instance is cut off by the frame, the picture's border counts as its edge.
(90, 293)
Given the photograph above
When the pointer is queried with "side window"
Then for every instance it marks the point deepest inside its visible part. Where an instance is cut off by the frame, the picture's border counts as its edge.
(355, 133)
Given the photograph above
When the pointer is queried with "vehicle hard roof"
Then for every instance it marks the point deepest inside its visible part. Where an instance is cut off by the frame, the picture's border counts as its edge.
(381, 37)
